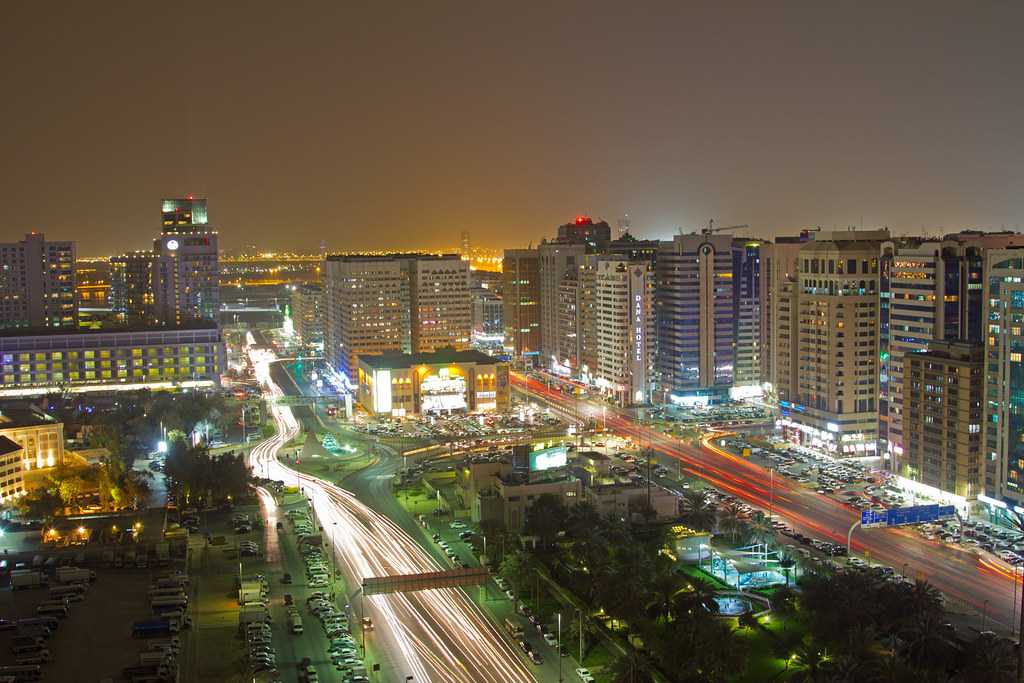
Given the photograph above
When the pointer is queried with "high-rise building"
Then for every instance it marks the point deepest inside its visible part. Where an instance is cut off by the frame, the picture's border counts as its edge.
(366, 309)
(307, 313)
(930, 290)
(441, 307)
(942, 417)
(1003, 278)
(556, 259)
(37, 283)
(131, 286)
(186, 269)
(625, 312)
(184, 215)
(696, 317)
(178, 283)
(576, 332)
(778, 269)
(583, 230)
(521, 298)
(831, 319)
(748, 309)
(397, 302)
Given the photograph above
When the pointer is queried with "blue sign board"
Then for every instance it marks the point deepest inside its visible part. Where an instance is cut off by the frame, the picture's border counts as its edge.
(919, 514)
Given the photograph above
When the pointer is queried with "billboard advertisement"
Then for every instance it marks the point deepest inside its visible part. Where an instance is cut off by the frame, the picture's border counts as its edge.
(549, 459)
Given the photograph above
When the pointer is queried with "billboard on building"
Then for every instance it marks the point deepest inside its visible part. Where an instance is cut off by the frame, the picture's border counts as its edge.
(549, 458)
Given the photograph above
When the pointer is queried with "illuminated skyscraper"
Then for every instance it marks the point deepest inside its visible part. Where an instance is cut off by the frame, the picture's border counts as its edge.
(37, 283)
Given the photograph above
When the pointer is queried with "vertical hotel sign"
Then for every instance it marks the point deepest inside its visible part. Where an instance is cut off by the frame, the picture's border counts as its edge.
(639, 305)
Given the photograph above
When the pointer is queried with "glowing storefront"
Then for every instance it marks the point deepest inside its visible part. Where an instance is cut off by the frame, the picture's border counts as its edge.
(443, 382)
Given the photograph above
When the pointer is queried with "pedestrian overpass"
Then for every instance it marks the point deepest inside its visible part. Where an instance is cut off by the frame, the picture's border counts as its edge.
(406, 583)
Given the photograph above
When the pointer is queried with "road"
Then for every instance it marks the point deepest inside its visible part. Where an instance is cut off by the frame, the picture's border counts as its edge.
(373, 486)
(967, 578)
(435, 635)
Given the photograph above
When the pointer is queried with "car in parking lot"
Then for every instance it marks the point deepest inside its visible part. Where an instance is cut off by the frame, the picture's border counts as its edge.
(584, 675)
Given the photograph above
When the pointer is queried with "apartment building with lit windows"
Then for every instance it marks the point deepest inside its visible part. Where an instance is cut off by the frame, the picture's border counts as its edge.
(33, 363)
(830, 399)
(520, 286)
(37, 283)
(395, 302)
(625, 330)
(942, 417)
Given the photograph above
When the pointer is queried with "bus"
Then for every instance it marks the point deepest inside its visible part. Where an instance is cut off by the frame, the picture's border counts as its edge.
(513, 628)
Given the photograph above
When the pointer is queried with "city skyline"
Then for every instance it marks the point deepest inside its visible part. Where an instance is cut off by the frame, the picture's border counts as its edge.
(498, 125)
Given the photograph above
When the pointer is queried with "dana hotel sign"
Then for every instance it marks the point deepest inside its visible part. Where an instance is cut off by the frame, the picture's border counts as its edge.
(638, 369)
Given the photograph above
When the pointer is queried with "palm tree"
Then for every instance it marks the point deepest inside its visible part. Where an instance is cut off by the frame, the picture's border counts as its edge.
(761, 529)
(926, 598)
(989, 659)
(697, 510)
(731, 521)
(810, 660)
(663, 593)
(926, 641)
(699, 594)
(632, 667)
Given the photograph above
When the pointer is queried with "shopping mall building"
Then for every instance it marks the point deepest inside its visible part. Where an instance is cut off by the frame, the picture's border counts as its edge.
(443, 382)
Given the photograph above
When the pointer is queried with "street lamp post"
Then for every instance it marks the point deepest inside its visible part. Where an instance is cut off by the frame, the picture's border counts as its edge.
(579, 614)
(559, 647)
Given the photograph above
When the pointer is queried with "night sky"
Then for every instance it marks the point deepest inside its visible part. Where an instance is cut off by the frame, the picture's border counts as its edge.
(378, 127)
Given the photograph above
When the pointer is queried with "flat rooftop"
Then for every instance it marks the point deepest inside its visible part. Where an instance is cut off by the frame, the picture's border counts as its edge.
(398, 360)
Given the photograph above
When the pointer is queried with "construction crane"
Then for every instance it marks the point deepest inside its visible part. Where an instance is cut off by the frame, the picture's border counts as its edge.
(712, 229)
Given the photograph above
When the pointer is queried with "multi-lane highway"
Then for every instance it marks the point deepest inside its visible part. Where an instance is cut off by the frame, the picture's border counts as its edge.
(435, 635)
(967, 578)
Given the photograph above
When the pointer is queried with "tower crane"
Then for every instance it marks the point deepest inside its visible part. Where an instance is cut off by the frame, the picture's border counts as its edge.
(712, 229)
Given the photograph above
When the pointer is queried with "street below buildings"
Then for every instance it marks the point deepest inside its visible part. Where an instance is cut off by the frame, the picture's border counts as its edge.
(969, 580)
(432, 635)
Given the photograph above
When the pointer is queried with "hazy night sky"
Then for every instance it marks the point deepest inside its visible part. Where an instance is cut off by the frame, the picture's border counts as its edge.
(376, 127)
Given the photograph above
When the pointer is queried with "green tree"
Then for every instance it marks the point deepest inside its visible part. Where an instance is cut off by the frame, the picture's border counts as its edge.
(546, 519)
(697, 510)
(518, 568)
(731, 521)
(42, 503)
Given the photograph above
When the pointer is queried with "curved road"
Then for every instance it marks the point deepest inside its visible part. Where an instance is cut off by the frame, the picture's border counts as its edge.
(434, 635)
(968, 579)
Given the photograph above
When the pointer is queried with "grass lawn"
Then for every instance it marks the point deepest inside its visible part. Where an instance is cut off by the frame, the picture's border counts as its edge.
(333, 468)
(763, 663)
(693, 572)
(597, 660)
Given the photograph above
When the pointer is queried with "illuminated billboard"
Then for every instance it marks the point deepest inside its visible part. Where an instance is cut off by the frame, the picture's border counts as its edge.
(443, 392)
(549, 458)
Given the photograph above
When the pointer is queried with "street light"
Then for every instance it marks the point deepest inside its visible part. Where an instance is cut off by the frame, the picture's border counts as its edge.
(559, 654)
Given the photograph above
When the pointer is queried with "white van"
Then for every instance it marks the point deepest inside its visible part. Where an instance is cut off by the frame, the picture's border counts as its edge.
(295, 620)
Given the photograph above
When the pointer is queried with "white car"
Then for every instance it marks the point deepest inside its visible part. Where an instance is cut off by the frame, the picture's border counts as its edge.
(585, 675)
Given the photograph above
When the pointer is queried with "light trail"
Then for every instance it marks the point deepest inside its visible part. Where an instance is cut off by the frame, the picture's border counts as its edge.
(440, 634)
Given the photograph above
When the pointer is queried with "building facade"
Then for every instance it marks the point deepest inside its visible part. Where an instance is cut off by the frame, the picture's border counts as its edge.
(131, 287)
(395, 302)
(695, 318)
(442, 314)
(37, 284)
(308, 314)
(366, 309)
(625, 329)
(1004, 377)
(942, 418)
(556, 260)
(748, 309)
(831, 398)
(439, 383)
(520, 288)
(98, 359)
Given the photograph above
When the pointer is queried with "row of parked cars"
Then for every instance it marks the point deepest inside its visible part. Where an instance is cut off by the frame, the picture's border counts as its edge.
(169, 602)
(344, 652)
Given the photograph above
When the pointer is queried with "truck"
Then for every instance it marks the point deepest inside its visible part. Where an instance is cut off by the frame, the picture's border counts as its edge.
(253, 614)
(23, 578)
(316, 540)
(155, 658)
(153, 628)
(295, 622)
(251, 591)
(75, 575)
(163, 554)
(179, 601)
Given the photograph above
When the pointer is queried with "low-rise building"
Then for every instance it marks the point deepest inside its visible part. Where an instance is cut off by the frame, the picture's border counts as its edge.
(12, 478)
(440, 382)
(32, 362)
(625, 500)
